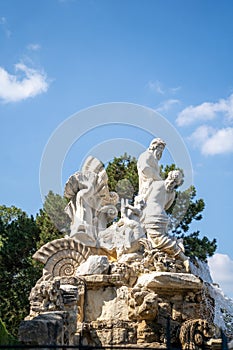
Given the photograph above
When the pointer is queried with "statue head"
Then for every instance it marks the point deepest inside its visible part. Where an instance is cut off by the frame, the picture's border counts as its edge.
(157, 146)
(175, 179)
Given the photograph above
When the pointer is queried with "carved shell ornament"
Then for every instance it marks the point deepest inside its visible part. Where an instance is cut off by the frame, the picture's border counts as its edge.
(62, 257)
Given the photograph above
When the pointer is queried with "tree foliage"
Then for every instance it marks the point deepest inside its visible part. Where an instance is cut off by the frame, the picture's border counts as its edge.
(54, 206)
(20, 237)
(199, 247)
(18, 273)
(5, 337)
(48, 230)
(52, 221)
(123, 176)
(186, 209)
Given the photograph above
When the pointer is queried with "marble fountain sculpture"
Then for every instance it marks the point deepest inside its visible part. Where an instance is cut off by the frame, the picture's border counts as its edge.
(119, 282)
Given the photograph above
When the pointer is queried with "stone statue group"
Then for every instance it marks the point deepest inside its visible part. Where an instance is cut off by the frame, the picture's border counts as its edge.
(116, 281)
(92, 207)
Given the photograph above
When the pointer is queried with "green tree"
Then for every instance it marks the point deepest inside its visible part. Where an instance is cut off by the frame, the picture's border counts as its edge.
(20, 237)
(5, 337)
(18, 273)
(123, 176)
(52, 221)
(54, 206)
(48, 230)
(183, 212)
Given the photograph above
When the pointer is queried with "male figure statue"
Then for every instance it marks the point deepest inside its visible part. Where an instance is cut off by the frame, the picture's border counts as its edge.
(148, 168)
(158, 196)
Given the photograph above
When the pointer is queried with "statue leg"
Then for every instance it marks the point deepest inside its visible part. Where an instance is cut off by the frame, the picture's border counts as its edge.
(162, 241)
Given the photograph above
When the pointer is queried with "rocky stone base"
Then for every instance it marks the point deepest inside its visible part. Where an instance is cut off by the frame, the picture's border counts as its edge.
(123, 304)
(49, 328)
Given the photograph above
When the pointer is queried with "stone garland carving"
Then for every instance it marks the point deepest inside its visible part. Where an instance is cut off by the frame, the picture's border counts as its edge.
(195, 333)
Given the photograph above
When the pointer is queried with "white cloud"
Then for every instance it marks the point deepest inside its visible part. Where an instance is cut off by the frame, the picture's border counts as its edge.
(34, 47)
(4, 25)
(156, 86)
(168, 104)
(201, 134)
(221, 269)
(220, 142)
(212, 141)
(3, 20)
(206, 111)
(159, 88)
(174, 90)
(25, 83)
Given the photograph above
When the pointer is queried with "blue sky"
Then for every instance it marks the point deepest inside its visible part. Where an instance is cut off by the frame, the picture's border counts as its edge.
(59, 57)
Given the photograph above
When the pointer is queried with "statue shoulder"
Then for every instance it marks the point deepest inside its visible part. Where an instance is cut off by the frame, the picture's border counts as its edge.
(146, 158)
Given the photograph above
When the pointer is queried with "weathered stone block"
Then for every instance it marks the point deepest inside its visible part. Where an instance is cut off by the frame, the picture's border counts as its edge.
(94, 265)
(44, 329)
